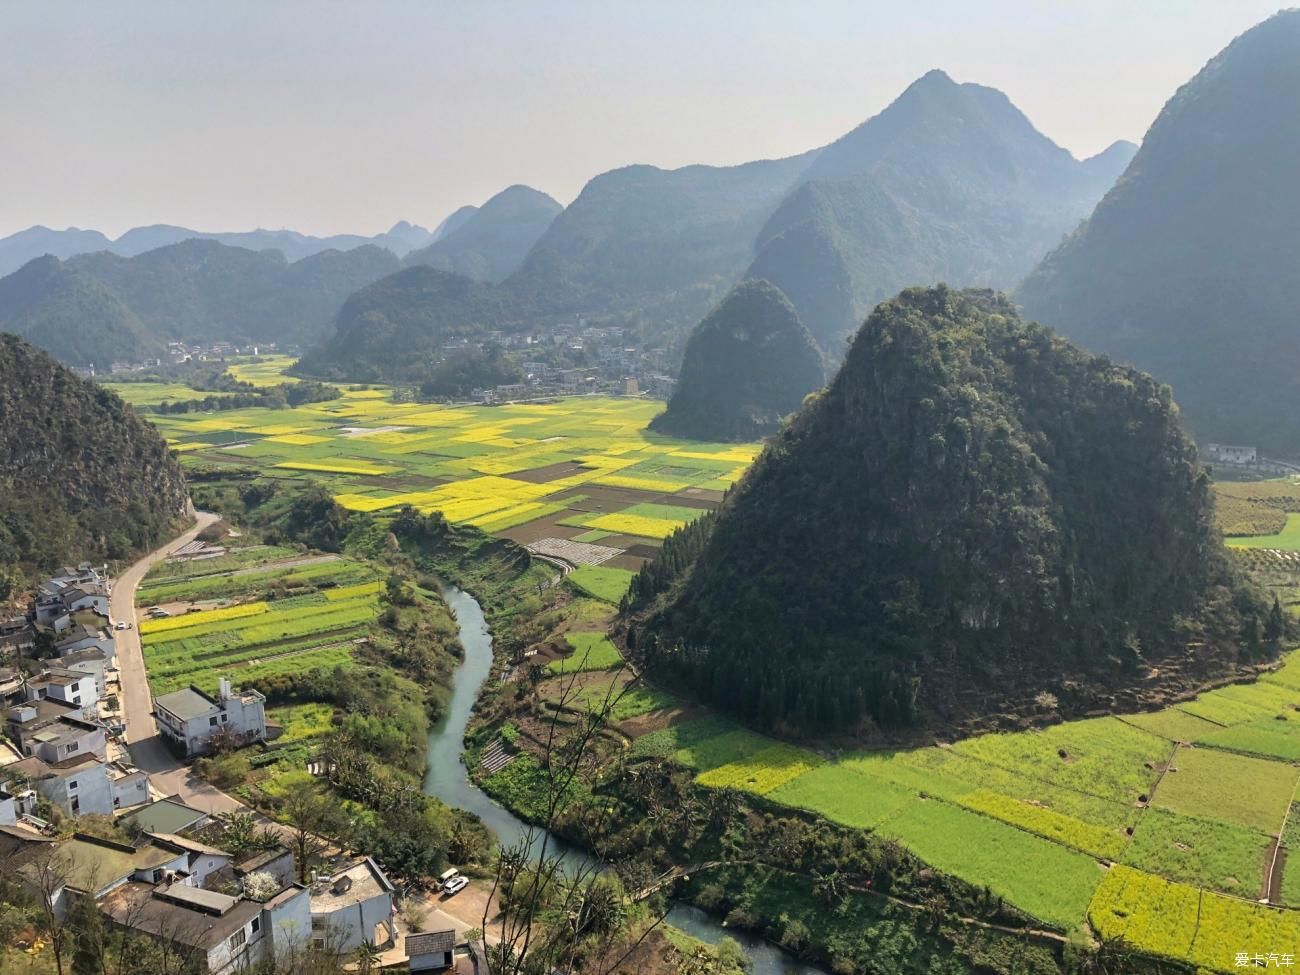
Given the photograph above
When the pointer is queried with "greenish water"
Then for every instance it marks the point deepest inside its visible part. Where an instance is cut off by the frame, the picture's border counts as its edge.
(448, 779)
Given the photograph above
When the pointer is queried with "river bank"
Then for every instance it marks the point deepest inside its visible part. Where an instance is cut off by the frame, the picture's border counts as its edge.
(448, 779)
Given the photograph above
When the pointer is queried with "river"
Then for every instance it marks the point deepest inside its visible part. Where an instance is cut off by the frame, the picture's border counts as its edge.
(448, 779)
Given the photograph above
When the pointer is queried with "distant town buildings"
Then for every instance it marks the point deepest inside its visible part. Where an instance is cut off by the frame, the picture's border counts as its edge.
(1224, 453)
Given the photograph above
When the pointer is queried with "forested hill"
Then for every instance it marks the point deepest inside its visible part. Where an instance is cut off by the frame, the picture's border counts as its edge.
(747, 365)
(203, 291)
(1188, 267)
(492, 240)
(951, 182)
(654, 247)
(72, 315)
(100, 308)
(975, 518)
(393, 329)
(81, 475)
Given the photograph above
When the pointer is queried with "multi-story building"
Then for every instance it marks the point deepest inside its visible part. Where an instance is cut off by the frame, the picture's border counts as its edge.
(190, 718)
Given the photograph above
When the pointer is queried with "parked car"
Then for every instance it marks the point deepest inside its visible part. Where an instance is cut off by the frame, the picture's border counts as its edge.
(120, 625)
(455, 885)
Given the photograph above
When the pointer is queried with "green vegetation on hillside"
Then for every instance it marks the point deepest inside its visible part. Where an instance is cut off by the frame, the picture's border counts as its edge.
(973, 515)
(949, 183)
(1187, 267)
(73, 316)
(394, 328)
(493, 239)
(747, 365)
(81, 475)
(102, 308)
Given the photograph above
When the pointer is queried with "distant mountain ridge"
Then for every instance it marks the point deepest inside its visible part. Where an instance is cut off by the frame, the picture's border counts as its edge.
(488, 243)
(73, 316)
(100, 308)
(1189, 265)
(19, 248)
(950, 182)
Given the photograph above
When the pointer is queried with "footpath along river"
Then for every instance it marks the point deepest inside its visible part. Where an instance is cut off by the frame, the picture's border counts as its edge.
(448, 779)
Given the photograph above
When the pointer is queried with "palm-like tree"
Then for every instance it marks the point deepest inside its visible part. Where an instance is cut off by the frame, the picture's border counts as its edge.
(367, 955)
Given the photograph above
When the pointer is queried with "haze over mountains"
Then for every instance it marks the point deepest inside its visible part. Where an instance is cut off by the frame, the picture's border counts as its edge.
(99, 308)
(487, 243)
(1190, 265)
(950, 182)
(17, 249)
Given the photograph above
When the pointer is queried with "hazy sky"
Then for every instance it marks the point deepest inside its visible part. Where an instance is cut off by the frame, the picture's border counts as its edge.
(345, 117)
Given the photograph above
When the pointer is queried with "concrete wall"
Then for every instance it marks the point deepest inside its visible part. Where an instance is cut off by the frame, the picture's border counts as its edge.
(224, 958)
(130, 790)
(356, 923)
(89, 785)
(289, 926)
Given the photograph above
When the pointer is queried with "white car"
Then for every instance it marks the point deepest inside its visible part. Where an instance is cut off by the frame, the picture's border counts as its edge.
(455, 885)
(120, 625)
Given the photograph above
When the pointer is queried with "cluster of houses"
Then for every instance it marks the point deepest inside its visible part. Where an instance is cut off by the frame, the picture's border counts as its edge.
(178, 882)
(58, 712)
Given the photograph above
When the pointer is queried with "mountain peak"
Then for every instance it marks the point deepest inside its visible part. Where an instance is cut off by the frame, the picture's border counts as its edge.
(748, 364)
(1199, 237)
(892, 558)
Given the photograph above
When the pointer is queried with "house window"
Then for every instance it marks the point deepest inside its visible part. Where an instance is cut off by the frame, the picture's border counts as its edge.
(238, 938)
(73, 747)
(212, 722)
(72, 785)
(257, 924)
(318, 924)
(75, 805)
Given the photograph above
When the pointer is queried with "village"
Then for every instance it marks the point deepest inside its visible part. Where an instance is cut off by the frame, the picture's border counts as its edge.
(214, 886)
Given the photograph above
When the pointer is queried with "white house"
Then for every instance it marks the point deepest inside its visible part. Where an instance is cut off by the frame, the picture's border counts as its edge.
(1226, 453)
(84, 785)
(222, 933)
(68, 686)
(84, 630)
(92, 661)
(53, 730)
(189, 718)
(353, 906)
(82, 587)
(432, 951)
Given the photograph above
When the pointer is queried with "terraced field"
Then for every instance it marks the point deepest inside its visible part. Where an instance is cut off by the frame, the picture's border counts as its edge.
(583, 468)
(1138, 824)
(254, 613)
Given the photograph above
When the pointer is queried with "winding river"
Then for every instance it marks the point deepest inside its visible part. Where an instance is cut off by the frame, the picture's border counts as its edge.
(448, 779)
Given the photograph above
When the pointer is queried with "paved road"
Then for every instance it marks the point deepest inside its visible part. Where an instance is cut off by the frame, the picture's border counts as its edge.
(170, 776)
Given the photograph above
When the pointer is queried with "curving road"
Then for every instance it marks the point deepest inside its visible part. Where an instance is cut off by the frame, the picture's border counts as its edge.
(168, 775)
(171, 777)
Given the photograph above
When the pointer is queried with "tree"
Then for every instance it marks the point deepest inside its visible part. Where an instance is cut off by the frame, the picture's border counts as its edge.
(45, 872)
(310, 815)
(367, 955)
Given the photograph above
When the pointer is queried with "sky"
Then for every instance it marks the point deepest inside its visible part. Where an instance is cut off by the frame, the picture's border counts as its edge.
(330, 117)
